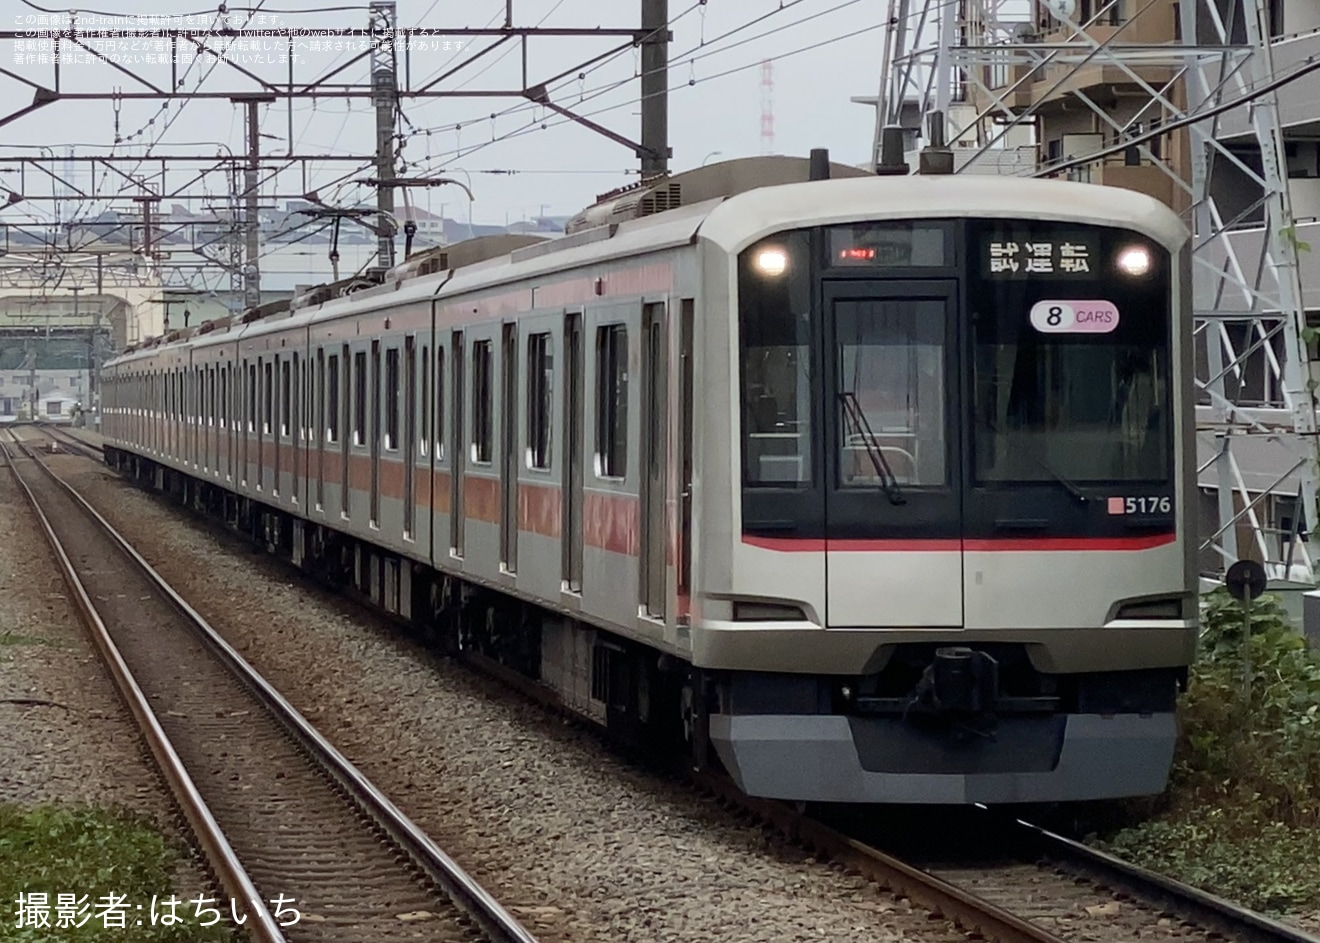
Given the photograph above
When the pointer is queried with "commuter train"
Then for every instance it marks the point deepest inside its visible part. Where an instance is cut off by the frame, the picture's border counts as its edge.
(867, 489)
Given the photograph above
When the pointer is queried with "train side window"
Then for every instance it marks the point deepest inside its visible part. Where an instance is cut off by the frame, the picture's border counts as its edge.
(360, 398)
(285, 389)
(298, 399)
(252, 397)
(331, 432)
(481, 401)
(612, 401)
(440, 403)
(540, 383)
(392, 398)
(268, 402)
(425, 440)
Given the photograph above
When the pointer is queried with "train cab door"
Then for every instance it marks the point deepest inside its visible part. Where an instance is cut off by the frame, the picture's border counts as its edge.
(893, 507)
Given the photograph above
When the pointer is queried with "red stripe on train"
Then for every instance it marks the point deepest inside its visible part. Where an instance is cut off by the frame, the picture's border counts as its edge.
(816, 545)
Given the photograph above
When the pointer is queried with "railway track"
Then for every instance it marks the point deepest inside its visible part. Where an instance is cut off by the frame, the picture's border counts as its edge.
(1015, 882)
(305, 847)
(67, 441)
(1035, 886)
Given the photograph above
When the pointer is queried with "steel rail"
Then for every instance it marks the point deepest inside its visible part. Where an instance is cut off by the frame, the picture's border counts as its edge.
(1211, 911)
(944, 900)
(470, 896)
(219, 853)
(71, 442)
(941, 898)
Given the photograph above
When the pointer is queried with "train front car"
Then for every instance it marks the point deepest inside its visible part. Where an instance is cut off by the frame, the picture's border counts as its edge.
(960, 563)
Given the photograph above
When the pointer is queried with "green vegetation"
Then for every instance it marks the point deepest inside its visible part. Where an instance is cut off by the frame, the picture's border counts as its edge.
(1242, 816)
(91, 854)
(9, 637)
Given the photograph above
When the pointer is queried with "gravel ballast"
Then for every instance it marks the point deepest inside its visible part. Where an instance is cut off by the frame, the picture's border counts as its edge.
(572, 840)
(67, 736)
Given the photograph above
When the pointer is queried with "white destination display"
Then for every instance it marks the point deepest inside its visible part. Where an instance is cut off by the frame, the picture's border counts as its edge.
(1074, 317)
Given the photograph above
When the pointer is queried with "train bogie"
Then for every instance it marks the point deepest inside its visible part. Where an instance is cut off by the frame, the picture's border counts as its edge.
(878, 487)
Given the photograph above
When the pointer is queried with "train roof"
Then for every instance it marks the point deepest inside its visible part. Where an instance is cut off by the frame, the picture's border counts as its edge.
(741, 202)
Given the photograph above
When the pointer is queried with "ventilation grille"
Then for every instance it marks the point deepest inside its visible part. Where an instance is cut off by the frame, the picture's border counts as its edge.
(660, 199)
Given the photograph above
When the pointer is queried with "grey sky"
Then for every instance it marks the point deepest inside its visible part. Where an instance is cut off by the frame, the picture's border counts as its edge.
(561, 169)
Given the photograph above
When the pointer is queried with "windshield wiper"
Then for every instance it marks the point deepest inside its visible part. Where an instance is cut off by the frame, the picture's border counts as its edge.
(1071, 488)
(888, 480)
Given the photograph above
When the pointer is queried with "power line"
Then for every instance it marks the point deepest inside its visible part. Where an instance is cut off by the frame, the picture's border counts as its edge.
(530, 127)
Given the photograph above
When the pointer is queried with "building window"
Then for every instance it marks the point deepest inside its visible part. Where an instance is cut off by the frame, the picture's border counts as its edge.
(482, 392)
(540, 382)
(612, 401)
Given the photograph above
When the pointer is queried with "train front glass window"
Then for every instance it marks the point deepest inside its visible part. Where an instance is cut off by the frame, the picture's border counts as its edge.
(775, 330)
(1071, 368)
(891, 368)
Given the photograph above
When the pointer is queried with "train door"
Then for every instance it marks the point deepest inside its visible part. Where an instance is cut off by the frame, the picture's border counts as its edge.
(409, 437)
(686, 413)
(574, 359)
(319, 425)
(280, 422)
(295, 391)
(249, 450)
(509, 450)
(375, 431)
(655, 457)
(457, 454)
(893, 505)
(346, 432)
(229, 385)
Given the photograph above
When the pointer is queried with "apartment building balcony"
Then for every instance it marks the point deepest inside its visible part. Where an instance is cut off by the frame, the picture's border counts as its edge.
(1247, 244)
(1053, 86)
(1144, 177)
(1299, 102)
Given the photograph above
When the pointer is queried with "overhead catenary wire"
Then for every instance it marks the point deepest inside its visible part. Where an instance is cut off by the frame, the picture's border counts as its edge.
(85, 207)
(534, 126)
(704, 50)
(678, 60)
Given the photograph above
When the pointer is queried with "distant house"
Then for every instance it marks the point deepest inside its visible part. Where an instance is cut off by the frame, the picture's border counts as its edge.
(56, 405)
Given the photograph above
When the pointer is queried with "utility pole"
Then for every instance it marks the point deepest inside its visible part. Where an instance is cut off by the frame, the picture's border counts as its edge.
(655, 88)
(385, 96)
(252, 216)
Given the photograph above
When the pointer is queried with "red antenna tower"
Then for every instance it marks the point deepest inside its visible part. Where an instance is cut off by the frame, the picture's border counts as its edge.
(767, 106)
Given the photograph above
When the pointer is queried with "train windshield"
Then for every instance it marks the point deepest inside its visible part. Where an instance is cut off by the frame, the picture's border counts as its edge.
(1070, 355)
(953, 378)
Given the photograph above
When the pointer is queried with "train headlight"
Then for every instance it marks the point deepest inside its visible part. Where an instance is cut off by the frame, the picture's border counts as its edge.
(772, 262)
(1134, 260)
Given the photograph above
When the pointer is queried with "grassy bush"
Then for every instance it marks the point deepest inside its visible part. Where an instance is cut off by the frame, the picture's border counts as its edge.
(92, 853)
(1242, 817)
